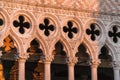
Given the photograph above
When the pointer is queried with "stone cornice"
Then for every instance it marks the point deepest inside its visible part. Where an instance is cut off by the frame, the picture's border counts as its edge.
(39, 7)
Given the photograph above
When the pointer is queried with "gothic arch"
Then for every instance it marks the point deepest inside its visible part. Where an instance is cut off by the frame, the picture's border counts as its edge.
(112, 51)
(54, 19)
(18, 42)
(30, 16)
(102, 28)
(89, 48)
(66, 45)
(41, 41)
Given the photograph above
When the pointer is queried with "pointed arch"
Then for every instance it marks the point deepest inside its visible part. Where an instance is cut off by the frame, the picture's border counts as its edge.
(105, 53)
(16, 39)
(112, 51)
(66, 45)
(90, 49)
(41, 42)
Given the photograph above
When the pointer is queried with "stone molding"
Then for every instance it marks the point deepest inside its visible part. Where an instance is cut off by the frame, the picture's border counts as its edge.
(73, 4)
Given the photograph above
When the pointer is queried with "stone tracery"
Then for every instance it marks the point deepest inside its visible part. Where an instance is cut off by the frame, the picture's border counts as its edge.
(64, 13)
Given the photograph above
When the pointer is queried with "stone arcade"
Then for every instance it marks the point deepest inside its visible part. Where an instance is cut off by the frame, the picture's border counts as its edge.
(59, 40)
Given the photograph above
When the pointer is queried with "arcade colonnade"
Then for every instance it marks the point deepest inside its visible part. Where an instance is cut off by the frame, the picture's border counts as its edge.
(69, 27)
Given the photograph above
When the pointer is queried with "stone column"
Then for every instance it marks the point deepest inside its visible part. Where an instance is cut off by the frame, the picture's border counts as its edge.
(116, 68)
(47, 63)
(94, 66)
(71, 62)
(21, 67)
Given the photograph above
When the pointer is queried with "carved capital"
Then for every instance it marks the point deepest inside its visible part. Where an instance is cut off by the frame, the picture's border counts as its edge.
(48, 58)
(22, 56)
(22, 60)
(95, 63)
(72, 60)
(116, 64)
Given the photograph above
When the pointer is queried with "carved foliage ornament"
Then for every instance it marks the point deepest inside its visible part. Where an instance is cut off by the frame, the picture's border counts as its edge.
(70, 29)
(115, 34)
(46, 26)
(21, 24)
(1, 22)
(93, 32)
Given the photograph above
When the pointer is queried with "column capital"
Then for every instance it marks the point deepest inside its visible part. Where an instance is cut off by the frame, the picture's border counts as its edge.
(21, 56)
(116, 64)
(95, 63)
(48, 58)
(22, 60)
(72, 60)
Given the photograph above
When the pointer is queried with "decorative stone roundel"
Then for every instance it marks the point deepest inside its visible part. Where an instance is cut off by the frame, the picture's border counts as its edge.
(21, 24)
(1, 22)
(70, 29)
(93, 32)
(114, 33)
(46, 26)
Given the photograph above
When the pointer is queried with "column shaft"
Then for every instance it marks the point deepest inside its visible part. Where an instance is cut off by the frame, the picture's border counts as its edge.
(21, 72)
(94, 73)
(94, 66)
(47, 75)
(116, 74)
(71, 71)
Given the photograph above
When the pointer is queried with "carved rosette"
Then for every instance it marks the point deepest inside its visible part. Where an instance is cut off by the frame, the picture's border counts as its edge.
(116, 64)
(72, 60)
(95, 63)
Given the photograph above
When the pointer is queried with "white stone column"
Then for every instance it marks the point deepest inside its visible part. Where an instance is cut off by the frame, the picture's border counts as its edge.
(21, 71)
(71, 62)
(94, 66)
(116, 68)
(47, 63)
